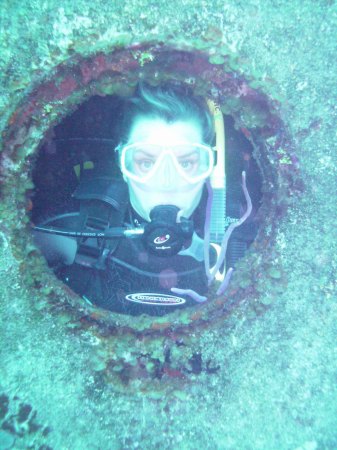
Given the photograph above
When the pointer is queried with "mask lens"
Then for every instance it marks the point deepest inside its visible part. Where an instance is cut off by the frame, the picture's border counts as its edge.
(195, 161)
(141, 161)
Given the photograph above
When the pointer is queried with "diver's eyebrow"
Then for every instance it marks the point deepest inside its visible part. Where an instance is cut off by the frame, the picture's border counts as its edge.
(138, 151)
(186, 155)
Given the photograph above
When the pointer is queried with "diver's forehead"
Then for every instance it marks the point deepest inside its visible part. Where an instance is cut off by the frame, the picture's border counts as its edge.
(157, 131)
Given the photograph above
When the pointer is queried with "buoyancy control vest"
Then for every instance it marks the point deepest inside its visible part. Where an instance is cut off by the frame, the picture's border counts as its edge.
(127, 275)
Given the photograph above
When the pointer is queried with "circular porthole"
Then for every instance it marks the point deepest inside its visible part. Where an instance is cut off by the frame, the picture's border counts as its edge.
(79, 157)
(69, 124)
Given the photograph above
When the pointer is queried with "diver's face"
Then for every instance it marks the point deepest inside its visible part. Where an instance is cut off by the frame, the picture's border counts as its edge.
(166, 186)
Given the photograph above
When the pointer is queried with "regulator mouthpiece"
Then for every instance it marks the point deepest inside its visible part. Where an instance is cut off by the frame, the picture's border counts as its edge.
(164, 236)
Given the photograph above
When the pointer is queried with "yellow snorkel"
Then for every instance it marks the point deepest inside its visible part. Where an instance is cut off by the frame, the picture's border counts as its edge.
(218, 183)
(218, 177)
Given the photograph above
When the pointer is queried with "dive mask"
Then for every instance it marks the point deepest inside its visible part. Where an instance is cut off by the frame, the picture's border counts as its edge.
(142, 161)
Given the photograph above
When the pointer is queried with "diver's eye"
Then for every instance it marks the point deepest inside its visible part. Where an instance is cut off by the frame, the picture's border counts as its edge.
(144, 165)
(186, 165)
(189, 164)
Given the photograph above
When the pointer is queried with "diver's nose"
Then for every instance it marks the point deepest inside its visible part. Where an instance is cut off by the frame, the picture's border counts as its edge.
(167, 174)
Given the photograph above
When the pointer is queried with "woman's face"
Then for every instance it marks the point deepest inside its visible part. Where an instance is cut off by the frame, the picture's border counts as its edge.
(165, 185)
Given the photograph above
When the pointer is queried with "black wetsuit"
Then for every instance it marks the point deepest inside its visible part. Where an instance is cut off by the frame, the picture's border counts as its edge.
(135, 281)
(122, 274)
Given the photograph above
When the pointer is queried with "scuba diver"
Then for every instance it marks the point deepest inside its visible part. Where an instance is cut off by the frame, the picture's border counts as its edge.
(141, 241)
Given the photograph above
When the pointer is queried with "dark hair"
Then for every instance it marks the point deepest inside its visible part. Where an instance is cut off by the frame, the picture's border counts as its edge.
(170, 103)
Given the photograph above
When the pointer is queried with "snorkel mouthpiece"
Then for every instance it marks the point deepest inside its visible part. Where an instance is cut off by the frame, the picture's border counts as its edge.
(164, 236)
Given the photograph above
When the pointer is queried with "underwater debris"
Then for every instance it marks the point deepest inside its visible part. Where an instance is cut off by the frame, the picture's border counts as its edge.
(18, 424)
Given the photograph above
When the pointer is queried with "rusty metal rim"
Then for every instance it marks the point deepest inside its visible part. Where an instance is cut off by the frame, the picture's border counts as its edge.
(78, 79)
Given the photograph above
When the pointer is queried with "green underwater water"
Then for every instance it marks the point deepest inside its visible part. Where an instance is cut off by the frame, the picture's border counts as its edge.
(276, 387)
